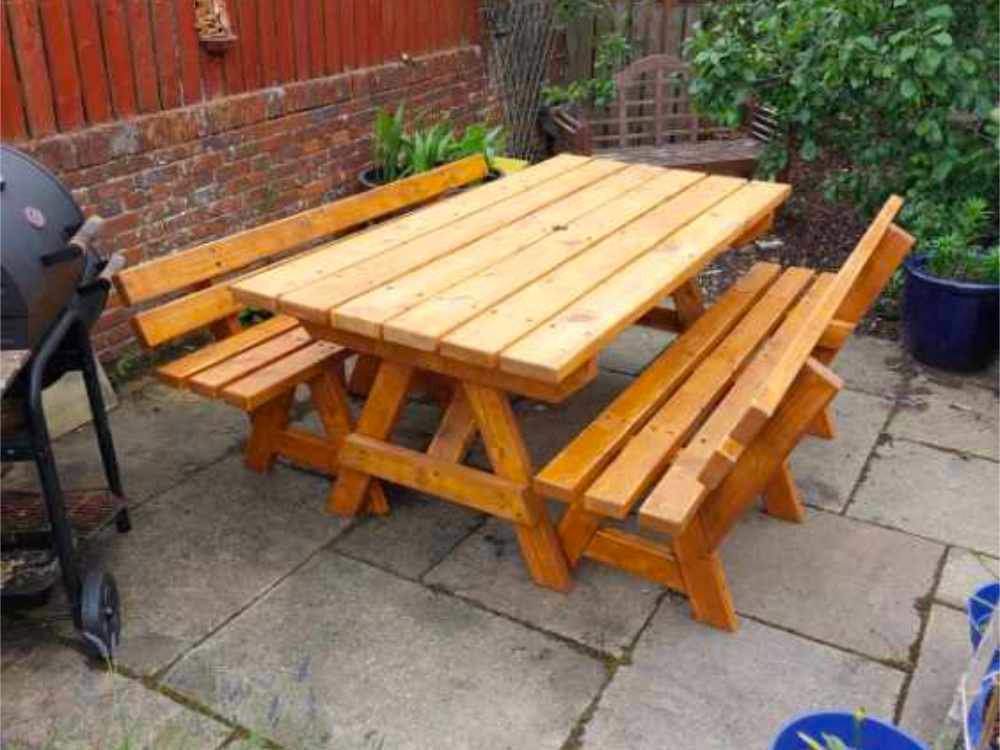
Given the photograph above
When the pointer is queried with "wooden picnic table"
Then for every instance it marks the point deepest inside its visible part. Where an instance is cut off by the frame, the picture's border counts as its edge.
(513, 287)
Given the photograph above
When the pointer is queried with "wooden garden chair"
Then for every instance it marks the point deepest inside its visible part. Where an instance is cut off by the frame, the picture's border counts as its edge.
(258, 368)
(709, 425)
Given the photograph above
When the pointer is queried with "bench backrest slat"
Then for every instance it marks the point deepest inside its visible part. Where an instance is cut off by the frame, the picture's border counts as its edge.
(211, 260)
(201, 265)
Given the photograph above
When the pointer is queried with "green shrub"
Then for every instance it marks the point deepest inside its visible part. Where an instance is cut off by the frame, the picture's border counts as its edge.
(905, 91)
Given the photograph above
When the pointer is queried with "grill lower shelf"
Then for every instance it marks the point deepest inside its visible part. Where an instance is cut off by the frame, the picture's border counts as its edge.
(23, 511)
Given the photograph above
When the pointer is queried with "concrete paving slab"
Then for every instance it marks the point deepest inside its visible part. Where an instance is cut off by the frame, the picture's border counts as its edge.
(202, 552)
(690, 686)
(54, 697)
(964, 572)
(832, 578)
(414, 537)
(342, 655)
(944, 655)
(547, 428)
(963, 418)
(161, 436)
(605, 609)
(633, 350)
(872, 365)
(988, 377)
(66, 405)
(940, 495)
(827, 470)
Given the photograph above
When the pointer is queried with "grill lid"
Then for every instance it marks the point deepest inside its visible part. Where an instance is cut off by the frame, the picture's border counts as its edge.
(40, 269)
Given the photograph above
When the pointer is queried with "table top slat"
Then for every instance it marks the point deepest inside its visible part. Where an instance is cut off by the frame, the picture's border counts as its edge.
(483, 338)
(423, 326)
(366, 314)
(265, 288)
(580, 330)
(318, 301)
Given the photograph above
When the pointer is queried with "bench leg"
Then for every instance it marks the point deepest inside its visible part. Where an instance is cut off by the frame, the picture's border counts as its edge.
(824, 425)
(363, 375)
(688, 303)
(508, 454)
(267, 424)
(781, 496)
(704, 578)
(386, 399)
(576, 528)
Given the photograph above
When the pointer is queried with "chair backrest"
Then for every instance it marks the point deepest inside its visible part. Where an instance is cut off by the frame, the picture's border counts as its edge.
(652, 107)
(206, 270)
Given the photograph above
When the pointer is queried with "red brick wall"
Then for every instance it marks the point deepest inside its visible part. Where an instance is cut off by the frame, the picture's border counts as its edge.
(174, 179)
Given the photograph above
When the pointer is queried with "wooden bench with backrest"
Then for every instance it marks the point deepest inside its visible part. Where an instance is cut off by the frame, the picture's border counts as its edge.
(258, 368)
(709, 425)
(653, 121)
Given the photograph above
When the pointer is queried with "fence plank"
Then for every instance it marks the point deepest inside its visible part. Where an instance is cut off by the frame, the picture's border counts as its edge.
(348, 37)
(317, 46)
(362, 29)
(331, 22)
(62, 63)
(90, 55)
(232, 59)
(166, 44)
(27, 36)
(143, 57)
(300, 24)
(12, 124)
(212, 74)
(246, 11)
(269, 70)
(377, 43)
(188, 51)
(285, 40)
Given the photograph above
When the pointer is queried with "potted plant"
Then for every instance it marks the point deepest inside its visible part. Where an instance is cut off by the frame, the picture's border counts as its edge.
(397, 153)
(842, 730)
(951, 293)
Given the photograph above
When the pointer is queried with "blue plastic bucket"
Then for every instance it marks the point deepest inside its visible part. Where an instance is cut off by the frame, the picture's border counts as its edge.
(954, 325)
(874, 734)
(978, 708)
(979, 607)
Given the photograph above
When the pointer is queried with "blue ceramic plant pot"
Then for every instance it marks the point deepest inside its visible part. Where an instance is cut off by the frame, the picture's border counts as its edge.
(949, 324)
(870, 734)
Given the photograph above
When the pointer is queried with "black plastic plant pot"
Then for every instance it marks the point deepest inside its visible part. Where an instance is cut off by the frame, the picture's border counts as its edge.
(953, 325)
(371, 178)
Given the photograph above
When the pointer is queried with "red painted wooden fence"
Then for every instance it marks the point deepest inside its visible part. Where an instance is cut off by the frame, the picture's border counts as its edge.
(66, 64)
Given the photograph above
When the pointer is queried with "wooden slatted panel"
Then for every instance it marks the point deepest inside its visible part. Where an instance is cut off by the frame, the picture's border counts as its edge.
(188, 51)
(232, 60)
(317, 44)
(362, 28)
(266, 290)
(648, 452)
(333, 15)
(366, 314)
(90, 54)
(143, 57)
(562, 343)
(167, 65)
(318, 301)
(375, 32)
(11, 107)
(26, 33)
(177, 372)
(249, 43)
(300, 27)
(482, 339)
(578, 464)
(62, 63)
(672, 502)
(163, 275)
(348, 36)
(208, 382)
(300, 366)
(285, 39)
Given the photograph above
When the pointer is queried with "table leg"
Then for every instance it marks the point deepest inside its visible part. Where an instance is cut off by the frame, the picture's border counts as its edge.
(385, 400)
(508, 454)
(688, 303)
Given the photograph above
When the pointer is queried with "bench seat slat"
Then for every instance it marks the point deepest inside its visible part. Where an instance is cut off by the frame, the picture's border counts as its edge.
(644, 457)
(209, 382)
(178, 371)
(281, 375)
(580, 462)
(674, 499)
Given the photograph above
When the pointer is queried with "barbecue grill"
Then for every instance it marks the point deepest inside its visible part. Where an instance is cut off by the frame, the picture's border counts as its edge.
(54, 287)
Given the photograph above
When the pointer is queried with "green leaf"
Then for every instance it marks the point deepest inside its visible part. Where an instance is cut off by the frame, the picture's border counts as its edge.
(809, 150)
(907, 53)
(943, 38)
(908, 88)
(867, 42)
(940, 13)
